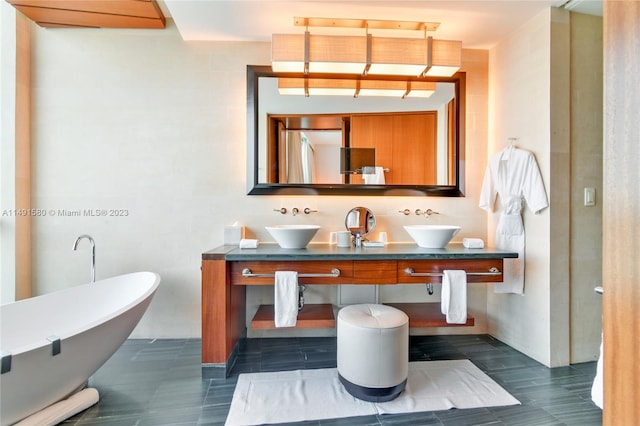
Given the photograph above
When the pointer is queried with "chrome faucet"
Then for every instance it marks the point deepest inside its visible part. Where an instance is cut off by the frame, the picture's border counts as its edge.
(427, 213)
(93, 254)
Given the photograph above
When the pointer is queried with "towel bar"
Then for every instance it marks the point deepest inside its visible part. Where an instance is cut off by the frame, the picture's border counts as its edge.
(335, 272)
(409, 271)
(362, 171)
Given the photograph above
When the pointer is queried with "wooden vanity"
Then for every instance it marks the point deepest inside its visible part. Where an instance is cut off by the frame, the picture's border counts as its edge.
(227, 270)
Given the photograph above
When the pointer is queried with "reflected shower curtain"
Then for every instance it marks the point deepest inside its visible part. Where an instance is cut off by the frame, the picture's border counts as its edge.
(294, 158)
(308, 159)
(300, 158)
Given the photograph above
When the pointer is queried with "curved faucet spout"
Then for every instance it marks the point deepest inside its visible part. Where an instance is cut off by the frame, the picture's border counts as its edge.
(93, 253)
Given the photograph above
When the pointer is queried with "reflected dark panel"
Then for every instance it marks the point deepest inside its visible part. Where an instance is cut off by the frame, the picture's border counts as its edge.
(354, 160)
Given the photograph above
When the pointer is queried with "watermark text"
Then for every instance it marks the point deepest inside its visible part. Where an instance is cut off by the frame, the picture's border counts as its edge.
(65, 212)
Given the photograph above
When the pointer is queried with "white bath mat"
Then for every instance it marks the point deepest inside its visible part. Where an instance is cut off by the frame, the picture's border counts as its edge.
(293, 396)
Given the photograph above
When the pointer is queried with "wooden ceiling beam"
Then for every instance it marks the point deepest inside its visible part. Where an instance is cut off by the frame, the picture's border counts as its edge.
(93, 13)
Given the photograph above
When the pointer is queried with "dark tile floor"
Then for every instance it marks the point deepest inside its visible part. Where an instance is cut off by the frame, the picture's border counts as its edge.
(158, 382)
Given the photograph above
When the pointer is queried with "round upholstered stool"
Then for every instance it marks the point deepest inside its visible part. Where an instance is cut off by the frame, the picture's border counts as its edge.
(373, 351)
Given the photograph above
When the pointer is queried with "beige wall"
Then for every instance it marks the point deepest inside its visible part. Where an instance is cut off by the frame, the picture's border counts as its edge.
(586, 171)
(7, 152)
(142, 121)
(545, 91)
(519, 105)
(559, 194)
(15, 156)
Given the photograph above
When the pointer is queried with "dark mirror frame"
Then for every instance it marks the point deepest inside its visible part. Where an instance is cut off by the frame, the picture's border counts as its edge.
(254, 72)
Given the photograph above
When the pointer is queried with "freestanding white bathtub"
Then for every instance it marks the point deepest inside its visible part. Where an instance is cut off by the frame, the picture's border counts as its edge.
(91, 321)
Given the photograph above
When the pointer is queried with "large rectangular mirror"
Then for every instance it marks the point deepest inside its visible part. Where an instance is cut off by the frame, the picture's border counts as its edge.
(324, 145)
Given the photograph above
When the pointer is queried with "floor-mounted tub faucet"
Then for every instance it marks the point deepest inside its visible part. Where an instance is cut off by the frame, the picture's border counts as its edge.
(93, 254)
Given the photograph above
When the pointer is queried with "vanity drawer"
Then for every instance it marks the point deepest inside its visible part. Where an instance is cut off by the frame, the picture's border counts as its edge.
(268, 268)
(478, 270)
(375, 272)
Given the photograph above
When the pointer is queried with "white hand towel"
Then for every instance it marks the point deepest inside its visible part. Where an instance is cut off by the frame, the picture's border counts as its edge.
(286, 298)
(473, 242)
(597, 392)
(375, 178)
(454, 296)
(246, 243)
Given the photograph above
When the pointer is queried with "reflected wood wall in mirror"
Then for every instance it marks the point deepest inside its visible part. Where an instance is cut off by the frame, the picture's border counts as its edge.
(296, 144)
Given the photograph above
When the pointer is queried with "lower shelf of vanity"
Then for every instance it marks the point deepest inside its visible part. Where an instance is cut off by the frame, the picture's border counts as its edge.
(321, 316)
(310, 316)
(428, 315)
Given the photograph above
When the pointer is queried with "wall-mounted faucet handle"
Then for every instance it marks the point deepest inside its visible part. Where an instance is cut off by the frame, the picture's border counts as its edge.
(405, 212)
(295, 211)
(426, 213)
(307, 210)
(282, 210)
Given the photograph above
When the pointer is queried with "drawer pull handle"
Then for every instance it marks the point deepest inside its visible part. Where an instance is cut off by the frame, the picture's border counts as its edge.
(335, 272)
(410, 272)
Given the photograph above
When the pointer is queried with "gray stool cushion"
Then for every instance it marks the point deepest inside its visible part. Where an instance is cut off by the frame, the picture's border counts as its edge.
(373, 351)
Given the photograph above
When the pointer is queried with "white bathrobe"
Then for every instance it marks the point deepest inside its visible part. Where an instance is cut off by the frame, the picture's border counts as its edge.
(512, 174)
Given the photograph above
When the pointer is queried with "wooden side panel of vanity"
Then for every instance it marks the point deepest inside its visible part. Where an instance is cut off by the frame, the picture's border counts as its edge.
(223, 312)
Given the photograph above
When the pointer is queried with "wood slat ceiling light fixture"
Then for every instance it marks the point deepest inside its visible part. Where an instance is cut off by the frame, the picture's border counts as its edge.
(93, 13)
(309, 86)
(365, 55)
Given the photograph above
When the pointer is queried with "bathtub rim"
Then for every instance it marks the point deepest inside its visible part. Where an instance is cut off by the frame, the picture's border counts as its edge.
(39, 343)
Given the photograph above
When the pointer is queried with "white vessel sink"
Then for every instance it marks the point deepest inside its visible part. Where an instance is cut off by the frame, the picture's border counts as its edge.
(432, 236)
(292, 236)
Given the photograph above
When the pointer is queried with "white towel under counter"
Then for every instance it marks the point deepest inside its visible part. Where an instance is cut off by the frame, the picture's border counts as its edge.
(454, 296)
(285, 304)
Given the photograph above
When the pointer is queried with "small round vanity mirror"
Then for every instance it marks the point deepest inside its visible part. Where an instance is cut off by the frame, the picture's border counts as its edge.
(360, 221)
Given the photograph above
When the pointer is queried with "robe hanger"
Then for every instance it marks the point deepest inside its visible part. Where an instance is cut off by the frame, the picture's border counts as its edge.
(511, 143)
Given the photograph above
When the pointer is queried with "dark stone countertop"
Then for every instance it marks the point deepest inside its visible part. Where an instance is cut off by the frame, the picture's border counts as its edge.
(323, 251)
